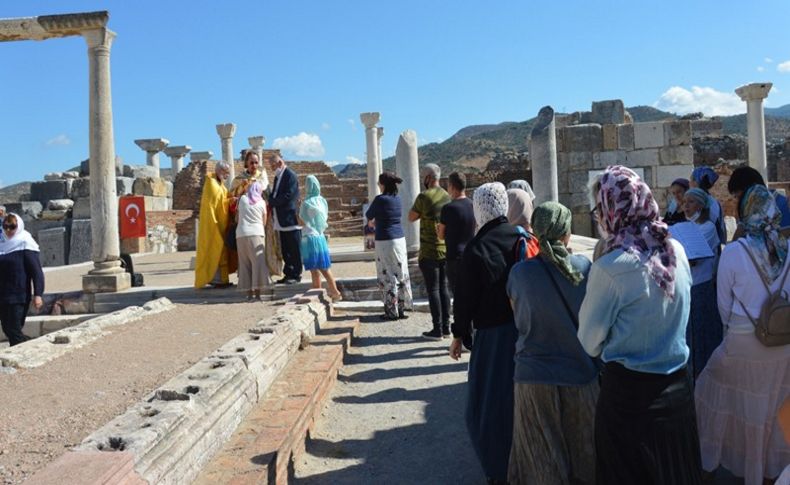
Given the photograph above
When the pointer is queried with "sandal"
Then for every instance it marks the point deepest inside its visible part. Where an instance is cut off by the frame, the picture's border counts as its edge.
(336, 296)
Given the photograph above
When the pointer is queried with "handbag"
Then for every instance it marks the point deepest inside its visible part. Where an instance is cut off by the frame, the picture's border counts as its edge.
(574, 319)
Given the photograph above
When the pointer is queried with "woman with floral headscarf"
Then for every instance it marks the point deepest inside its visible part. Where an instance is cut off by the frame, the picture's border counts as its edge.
(634, 318)
(251, 242)
(481, 303)
(314, 216)
(739, 393)
(556, 383)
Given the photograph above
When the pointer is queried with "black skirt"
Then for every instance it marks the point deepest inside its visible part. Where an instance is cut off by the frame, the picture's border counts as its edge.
(646, 429)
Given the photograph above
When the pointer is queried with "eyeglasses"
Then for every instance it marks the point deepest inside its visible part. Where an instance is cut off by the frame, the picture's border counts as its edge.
(9, 227)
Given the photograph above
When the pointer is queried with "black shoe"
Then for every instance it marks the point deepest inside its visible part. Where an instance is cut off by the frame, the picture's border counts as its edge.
(434, 334)
(446, 332)
(402, 316)
(387, 317)
(283, 281)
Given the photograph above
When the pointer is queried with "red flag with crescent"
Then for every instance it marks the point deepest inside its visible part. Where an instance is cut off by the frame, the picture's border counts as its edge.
(132, 216)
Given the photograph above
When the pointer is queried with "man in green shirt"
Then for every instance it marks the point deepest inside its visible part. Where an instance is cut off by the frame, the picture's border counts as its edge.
(427, 209)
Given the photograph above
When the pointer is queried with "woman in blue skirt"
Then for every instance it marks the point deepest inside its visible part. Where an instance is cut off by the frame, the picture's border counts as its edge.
(314, 215)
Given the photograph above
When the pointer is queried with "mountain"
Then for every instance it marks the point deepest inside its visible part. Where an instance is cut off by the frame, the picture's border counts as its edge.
(472, 148)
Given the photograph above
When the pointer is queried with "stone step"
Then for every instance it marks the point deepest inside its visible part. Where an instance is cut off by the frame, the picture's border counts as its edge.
(90, 468)
(273, 435)
(36, 326)
(375, 306)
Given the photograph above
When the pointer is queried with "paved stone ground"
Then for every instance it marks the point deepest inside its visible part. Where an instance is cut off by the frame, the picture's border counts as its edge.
(396, 414)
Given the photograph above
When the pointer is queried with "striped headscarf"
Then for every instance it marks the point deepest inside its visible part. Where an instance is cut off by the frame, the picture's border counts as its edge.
(630, 221)
(550, 222)
(760, 221)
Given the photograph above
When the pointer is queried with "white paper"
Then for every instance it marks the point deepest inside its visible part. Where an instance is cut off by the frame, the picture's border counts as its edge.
(689, 235)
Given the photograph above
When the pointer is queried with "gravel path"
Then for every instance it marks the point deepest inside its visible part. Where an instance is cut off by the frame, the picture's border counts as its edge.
(54, 407)
(396, 413)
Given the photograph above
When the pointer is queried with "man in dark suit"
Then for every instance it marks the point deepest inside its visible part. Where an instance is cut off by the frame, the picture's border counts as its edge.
(284, 197)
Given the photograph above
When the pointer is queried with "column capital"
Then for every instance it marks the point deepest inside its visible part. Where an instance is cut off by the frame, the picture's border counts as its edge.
(753, 91)
(226, 130)
(152, 144)
(101, 37)
(198, 156)
(370, 119)
(177, 150)
(256, 142)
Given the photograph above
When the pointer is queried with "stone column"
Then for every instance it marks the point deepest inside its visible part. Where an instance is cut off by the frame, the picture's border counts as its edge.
(256, 144)
(226, 132)
(199, 156)
(543, 157)
(407, 168)
(379, 160)
(152, 147)
(177, 154)
(371, 134)
(754, 94)
(107, 274)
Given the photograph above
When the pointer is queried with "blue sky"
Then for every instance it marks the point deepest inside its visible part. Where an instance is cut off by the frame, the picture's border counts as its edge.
(301, 71)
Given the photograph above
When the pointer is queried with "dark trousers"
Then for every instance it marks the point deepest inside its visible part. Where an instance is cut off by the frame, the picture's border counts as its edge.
(12, 317)
(433, 272)
(453, 268)
(292, 257)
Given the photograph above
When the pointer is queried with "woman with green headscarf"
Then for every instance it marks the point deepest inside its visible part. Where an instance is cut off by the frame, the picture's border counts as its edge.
(314, 217)
(555, 380)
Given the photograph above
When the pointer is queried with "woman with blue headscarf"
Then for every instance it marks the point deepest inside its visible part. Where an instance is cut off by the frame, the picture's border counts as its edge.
(704, 178)
(314, 216)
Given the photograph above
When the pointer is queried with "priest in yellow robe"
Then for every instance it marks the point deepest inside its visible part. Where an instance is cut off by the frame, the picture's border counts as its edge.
(211, 261)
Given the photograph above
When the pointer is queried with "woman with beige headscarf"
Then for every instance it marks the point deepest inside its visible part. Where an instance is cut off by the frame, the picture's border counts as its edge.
(519, 214)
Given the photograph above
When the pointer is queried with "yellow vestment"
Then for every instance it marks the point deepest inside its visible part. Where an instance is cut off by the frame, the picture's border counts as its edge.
(213, 223)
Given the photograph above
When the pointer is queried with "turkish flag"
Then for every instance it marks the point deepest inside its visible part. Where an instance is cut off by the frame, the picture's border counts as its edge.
(132, 216)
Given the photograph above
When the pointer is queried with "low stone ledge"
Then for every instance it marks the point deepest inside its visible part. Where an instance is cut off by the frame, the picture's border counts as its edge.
(176, 429)
(37, 352)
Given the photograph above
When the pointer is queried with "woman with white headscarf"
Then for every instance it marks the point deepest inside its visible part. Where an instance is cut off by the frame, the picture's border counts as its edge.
(523, 185)
(19, 267)
(481, 302)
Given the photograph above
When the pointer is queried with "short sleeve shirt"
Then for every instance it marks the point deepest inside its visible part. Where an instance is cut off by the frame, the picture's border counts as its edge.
(429, 206)
(458, 218)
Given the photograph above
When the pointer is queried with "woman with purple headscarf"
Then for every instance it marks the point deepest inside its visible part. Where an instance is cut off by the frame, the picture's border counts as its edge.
(251, 242)
(634, 318)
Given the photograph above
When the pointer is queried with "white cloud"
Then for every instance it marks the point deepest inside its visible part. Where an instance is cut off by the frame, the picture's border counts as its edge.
(768, 60)
(707, 100)
(325, 126)
(354, 160)
(352, 123)
(58, 140)
(302, 145)
(760, 69)
(783, 67)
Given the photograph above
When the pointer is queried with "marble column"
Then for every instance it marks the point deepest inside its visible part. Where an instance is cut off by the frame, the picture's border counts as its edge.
(200, 156)
(407, 168)
(152, 147)
(371, 134)
(256, 144)
(177, 154)
(107, 274)
(754, 94)
(226, 132)
(379, 160)
(543, 157)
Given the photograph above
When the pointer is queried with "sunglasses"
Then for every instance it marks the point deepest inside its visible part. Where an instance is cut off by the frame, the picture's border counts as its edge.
(9, 226)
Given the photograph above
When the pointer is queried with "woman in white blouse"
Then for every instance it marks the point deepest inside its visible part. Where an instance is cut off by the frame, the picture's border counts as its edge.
(251, 242)
(739, 393)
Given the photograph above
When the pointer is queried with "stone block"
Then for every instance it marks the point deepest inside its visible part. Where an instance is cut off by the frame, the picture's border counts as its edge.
(666, 174)
(157, 203)
(580, 160)
(609, 137)
(559, 133)
(60, 204)
(607, 158)
(54, 215)
(580, 201)
(81, 188)
(140, 171)
(608, 112)
(169, 188)
(649, 135)
(80, 241)
(677, 133)
(82, 208)
(648, 175)
(583, 138)
(700, 128)
(625, 136)
(133, 245)
(581, 224)
(562, 180)
(51, 176)
(71, 175)
(150, 186)
(642, 158)
(27, 210)
(85, 168)
(577, 181)
(54, 245)
(34, 226)
(106, 283)
(124, 185)
(677, 155)
(53, 189)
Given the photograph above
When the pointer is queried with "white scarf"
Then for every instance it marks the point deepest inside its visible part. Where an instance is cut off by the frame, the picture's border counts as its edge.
(21, 240)
(490, 202)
